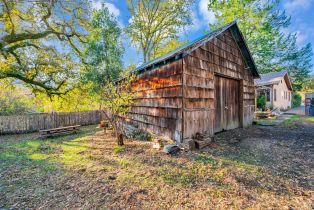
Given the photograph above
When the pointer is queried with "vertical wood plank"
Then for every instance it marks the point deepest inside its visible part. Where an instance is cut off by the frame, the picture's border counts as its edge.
(34, 122)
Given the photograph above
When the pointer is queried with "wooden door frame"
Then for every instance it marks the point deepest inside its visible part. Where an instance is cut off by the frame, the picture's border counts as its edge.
(240, 106)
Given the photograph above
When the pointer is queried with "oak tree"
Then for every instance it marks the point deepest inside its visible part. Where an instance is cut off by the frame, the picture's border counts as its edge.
(41, 42)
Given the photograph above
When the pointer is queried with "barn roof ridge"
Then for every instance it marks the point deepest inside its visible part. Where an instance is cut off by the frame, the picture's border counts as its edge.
(184, 50)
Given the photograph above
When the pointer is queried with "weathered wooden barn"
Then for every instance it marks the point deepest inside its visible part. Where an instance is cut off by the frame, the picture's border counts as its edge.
(205, 86)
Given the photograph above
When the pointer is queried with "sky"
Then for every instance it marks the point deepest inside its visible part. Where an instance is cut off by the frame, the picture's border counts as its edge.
(301, 12)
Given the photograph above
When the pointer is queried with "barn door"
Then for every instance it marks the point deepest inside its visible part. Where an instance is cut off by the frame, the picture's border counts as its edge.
(227, 92)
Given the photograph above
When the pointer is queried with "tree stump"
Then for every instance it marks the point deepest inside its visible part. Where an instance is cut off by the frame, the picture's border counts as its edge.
(120, 139)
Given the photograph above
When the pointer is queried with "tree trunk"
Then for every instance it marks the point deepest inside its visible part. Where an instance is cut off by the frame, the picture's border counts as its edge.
(144, 55)
(120, 139)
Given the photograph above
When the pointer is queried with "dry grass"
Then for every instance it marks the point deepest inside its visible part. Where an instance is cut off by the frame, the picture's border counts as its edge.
(87, 171)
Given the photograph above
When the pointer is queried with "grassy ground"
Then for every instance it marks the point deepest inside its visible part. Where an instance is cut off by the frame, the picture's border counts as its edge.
(87, 170)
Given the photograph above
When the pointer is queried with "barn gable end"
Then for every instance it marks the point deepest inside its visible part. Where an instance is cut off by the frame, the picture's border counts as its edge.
(220, 56)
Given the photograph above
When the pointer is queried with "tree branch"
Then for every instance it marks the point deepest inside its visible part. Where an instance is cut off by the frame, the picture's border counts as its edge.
(9, 15)
(8, 39)
(21, 45)
(49, 89)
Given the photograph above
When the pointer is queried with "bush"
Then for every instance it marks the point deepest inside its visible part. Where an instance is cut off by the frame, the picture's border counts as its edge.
(261, 101)
(296, 100)
(118, 149)
(13, 105)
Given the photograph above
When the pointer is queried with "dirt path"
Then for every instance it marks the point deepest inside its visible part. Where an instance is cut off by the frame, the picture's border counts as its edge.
(287, 151)
(298, 110)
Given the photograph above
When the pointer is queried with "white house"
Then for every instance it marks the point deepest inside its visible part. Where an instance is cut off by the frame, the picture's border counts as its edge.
(277, 88)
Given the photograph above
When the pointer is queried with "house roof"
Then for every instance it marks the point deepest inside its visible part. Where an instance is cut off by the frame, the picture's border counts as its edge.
(191, 46)
(273, 78)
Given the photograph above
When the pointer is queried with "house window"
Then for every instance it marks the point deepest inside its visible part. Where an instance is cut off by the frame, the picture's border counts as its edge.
(275, 94)
(289, 96)
(267, 95)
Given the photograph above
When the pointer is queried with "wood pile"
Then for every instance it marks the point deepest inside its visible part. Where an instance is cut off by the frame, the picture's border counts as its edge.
(201, 140)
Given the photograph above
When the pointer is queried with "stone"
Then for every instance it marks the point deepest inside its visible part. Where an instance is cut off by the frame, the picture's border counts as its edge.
(156, 145)
(171, 149)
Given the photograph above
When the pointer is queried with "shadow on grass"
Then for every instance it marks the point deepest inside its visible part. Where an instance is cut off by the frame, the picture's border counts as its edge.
(135, 165)
(27, 167)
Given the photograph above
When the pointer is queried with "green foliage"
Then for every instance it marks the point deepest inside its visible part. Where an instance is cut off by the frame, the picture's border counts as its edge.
(76, 100)
(262, 23)
(127, 71)
(141, 135)
(118, 97)
(296, 100)
(15, 100)
(298, 63)
(261, 101)
(308, 85)
(291, 120)
(13, 106)
(104, 50)
(154, 23)
(116, 100)
(167, 47)
(118, 149)
(41, 42)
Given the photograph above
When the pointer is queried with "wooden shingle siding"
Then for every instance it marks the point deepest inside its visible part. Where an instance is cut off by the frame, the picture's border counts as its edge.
(220, 56)
(156, 120)
(158, 102)
(198, 120)
(199, 92)
(179, 99)
(167, 92)
(153, 111)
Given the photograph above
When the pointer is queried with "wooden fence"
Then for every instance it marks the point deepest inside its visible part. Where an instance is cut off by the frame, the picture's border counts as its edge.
(34, 122)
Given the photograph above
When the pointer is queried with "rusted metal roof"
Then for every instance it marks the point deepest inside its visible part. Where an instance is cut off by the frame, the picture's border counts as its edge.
(191, 46)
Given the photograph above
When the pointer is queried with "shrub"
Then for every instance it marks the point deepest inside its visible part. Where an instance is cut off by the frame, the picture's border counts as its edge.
(13, 105)
(118, 149)
(261, 101)
(296, 100)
